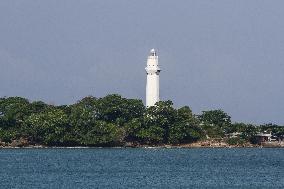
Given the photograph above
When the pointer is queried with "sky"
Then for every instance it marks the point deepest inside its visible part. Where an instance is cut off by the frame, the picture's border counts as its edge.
(214, 54)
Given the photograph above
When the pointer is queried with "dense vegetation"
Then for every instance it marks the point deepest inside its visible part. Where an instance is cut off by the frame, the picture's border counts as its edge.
(115, 121)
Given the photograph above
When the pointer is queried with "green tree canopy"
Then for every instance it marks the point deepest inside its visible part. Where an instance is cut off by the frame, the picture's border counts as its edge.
(13, 110)
(48, 127)
(186, 127)
(115, 109)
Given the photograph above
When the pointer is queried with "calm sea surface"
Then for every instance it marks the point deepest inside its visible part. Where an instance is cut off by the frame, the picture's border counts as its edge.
(142, 168)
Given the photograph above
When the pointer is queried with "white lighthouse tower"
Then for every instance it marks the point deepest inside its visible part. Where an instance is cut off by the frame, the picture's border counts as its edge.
(152, 86)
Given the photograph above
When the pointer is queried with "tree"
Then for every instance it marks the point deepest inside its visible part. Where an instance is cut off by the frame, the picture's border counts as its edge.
(38, 107)
(94, 121)
(215, 122)
(236, 127)
(102, 133)
(186, 128)
(132, 129)
(156, 123)
(13, 110)
(249, 133)
(82, 116)
(115, 109)
(7, 135)
(215, 117)
(48, 127)
(153, 134)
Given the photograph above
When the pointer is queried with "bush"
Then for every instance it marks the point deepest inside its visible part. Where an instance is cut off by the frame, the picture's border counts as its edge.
(6, 136)
(235, 141)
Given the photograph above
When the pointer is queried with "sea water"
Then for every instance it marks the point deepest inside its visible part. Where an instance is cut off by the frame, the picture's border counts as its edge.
(142, 168)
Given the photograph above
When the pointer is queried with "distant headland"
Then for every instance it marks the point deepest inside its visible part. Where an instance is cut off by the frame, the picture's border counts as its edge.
(114, 121)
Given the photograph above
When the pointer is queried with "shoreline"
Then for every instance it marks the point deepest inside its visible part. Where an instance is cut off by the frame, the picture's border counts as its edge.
(183, 146)
(209, 143)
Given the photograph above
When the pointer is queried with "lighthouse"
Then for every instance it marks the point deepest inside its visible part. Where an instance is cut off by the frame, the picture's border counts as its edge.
(152, 85)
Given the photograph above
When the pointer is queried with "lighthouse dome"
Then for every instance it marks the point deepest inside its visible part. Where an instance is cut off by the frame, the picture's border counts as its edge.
(153, 52)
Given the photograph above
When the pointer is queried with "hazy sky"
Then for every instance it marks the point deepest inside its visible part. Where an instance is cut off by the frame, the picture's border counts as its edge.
(226, 54)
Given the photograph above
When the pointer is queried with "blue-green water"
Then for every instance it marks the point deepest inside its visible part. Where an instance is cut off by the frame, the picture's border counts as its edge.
(142, 168)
